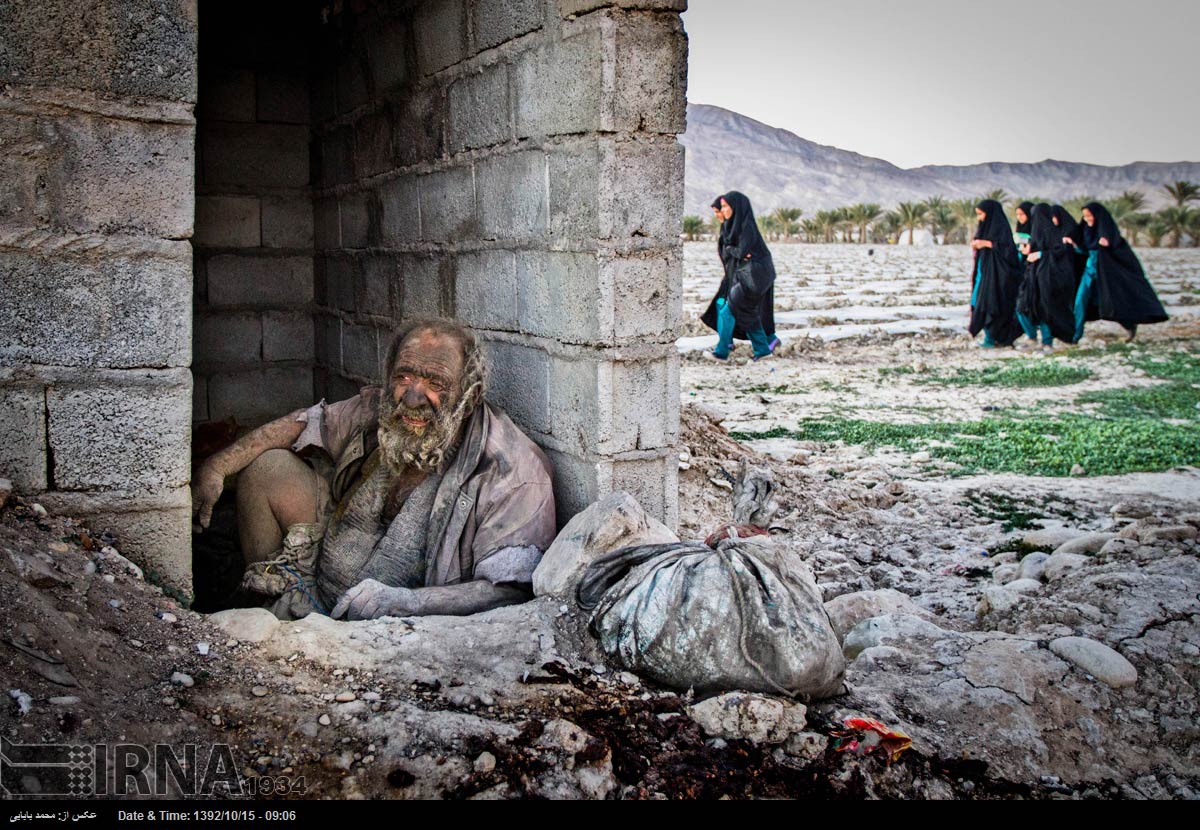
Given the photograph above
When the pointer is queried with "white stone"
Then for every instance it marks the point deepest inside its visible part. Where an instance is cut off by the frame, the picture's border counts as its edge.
(181, 679)
(751, 717)
(1049, 537)
(1097, 659)
(1024, 586)
(894, 628)
(1087, 543)
(848, 610)
(1061, 564)
(1033, 565)
(996, 600)
(486, 762)
(1005, 573)
(254, 625)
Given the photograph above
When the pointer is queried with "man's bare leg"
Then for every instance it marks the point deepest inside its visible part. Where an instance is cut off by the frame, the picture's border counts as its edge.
(277, 490)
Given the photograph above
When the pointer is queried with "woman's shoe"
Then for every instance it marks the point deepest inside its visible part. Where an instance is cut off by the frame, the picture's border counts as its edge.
(713, 357)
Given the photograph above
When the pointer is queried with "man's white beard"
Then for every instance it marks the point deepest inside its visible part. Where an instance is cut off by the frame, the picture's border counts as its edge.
(401, 448)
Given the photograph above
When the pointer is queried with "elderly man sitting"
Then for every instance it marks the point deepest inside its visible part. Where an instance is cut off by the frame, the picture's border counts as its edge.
(418, 497)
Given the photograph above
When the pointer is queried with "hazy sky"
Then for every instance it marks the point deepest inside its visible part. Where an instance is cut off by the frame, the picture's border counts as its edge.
(959, 81)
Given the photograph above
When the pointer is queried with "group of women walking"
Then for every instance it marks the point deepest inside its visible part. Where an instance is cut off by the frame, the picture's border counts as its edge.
(1053, 275)
(1045, 280)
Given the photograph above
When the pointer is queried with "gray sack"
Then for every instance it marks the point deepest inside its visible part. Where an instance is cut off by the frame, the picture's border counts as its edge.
(743, 616)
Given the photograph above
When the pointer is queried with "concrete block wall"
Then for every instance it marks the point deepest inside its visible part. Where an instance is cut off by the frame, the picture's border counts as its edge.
(514, 165)
(254, 334)
(96, 163)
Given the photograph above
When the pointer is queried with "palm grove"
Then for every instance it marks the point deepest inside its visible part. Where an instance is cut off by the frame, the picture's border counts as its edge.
(953, 220)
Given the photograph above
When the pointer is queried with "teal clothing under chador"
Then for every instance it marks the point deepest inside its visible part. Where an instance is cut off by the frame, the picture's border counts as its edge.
(1084, 295)
(988, 341)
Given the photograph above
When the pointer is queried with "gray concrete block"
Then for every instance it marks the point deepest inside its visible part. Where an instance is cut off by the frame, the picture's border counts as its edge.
(512, 196)
(569, 8)
(283, 96)
(418, 127)
(126, 438)
(342, 283)
(373, 145)
(227, 222)
(519, 383)
(574, 176)
(447, 200)
(327, 224)
(577, 483)
(653, 482)
(199, 398)
(495, 23)
(159, 541)
(645, 404)
(558, 87)
(381, 285)
(354, 211)
(253, 397)
(116, 312)
(114, 47)
(287, 222)
(23, 448)
(479, 109)
(651, 75)
(337, 157)
(227, 337)
(340, 388)
(580, 404)
(399, 214)
(274, 155)
(287, 336)
(227, 95)
(486, 290)
(352, 89)
(86, 174)
(440, 27)
(559, 296)
(641, 189)
(647, 293)
(260, 281)
(421, 279)
(388, 50)
(360, 352)
(328, 342)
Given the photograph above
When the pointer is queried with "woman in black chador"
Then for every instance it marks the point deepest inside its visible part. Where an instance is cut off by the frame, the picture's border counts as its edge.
(1026, 302)
(1052, 296)
(997, 278)
(1114, 286)
(744, 305)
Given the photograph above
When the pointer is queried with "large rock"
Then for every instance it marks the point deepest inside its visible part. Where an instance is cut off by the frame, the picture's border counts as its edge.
(849, 610)
(616, 521)
(1049, 537)
(749, 717)
(1173, 533)
(996, 600)
(1097, 659)
(1060, 564)
(1087, 543)
(896, 629)
(1033, 565)
(254, 625)
(1024, 586)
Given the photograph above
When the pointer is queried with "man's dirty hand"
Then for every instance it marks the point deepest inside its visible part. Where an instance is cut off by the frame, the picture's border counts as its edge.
(206, 489)
(370, 599)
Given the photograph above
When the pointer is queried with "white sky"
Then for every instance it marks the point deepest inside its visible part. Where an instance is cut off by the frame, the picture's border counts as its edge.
(959, 81)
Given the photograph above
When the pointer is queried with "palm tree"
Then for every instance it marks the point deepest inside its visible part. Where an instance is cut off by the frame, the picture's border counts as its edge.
(1156, 231)
(863, 215)
(1129, 202)
(1176, 219)
(1075, 206)
(911, 214)
(999, 194)
(693, 226)
(768, 225)
(812, 230)
(1194, 228)
(844, 223)
(828, 220)
(1134, 223)
(964, 217)
(888, 227)
(1183, 192)
(787, 220)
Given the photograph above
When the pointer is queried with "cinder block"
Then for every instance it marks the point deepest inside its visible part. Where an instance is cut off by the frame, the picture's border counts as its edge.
(577, 483)
(227, 222)
(287, 336)
(329, 342)
(418, 126)
(261, 281)
(653, 482)
(641, 189)
(512, 196)
(581, 404)
(494, 23)
(447, 200)
(479, 110)
(159, 541)
(339, 388)
(227, 337)
(23, 448)
(440, 27)
(342, 281)
(421, 278)
(381, 285)
(519, 383)
(558, 87)
(389, 56)
(568, 8)
(273, 155)
(86, 174)
(337, 157)
(351, 83)
(115, 312)
(287, 222)
(400, 217)
(114, 47)
(327, 224)
(574, 176)
(486, 290)
(651, 75)
(227, 95)
(256, 396)
(647, 293)
(199, 398)
(283, 97)
(126, 438)
(373, 145)
(559, 296)
(645, 404)
(360, 352)
(355, 213)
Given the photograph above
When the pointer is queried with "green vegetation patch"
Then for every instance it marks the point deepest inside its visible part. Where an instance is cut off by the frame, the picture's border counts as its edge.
(1016, 514)
(1027, 446)
(1016, 375)
(1177, 398)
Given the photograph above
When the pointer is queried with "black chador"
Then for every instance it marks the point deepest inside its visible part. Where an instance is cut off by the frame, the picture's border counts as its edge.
(996, 279)
(753, 304)
(1121, 291)
(1055, 279)
(1026, 299)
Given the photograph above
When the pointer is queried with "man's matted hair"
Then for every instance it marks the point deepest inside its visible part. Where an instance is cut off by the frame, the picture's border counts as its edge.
(474, 379)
